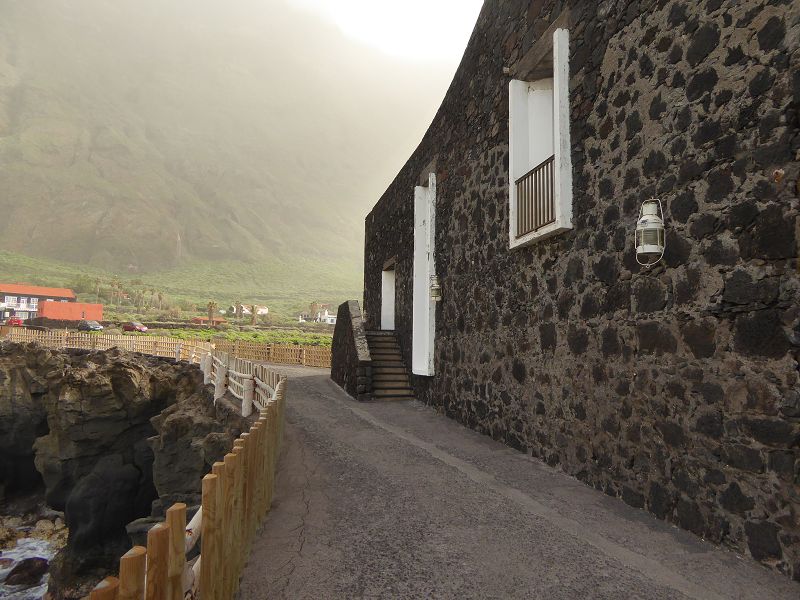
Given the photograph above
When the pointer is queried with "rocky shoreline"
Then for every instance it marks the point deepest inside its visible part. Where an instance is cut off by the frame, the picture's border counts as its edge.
(108, 438)
(27, 545)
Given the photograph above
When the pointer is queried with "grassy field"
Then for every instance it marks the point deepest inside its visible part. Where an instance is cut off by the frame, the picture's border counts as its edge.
(186, 290)
(292, 337)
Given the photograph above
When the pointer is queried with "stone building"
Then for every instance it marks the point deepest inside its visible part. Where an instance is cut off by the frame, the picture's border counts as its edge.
(674, 387)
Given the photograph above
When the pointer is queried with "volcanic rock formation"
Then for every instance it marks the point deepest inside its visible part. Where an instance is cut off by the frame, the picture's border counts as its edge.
(110, 437)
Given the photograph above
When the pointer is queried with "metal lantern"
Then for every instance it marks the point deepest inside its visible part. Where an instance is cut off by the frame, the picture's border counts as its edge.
(650, 241)
(436, 289)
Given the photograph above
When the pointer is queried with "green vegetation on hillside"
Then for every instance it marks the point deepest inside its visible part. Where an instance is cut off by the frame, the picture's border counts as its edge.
(184, 292)
(292, 337)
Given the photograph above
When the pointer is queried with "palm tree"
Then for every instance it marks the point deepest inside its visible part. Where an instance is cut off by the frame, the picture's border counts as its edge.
(160, 300)
(116, 289)
(212, 308)
(253, 314)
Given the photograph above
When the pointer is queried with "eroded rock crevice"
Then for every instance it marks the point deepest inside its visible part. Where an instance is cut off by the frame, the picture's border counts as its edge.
(109, 437)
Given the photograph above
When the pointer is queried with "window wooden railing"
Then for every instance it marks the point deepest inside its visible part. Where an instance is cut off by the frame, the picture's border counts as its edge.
(536, 199)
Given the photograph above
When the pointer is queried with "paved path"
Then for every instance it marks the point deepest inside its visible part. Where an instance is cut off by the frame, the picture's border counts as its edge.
(392, 500)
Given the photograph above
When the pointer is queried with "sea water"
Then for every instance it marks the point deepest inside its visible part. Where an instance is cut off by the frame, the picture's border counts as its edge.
(25, 548)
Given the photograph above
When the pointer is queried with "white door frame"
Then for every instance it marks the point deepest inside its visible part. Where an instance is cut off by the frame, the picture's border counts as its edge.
(424, 321)
(387, 298)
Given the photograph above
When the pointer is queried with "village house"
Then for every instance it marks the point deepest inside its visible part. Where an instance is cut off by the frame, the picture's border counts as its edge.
(503, 284)
(319, 313)
(23, 301)
(27, 302)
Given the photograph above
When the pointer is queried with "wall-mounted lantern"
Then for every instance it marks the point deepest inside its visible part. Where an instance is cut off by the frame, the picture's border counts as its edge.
(436, 289)
(650, 241)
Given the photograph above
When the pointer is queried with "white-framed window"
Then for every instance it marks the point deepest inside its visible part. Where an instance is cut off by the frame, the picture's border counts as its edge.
(11, 300)
(23, 301)
(540, 164)
(34, 301)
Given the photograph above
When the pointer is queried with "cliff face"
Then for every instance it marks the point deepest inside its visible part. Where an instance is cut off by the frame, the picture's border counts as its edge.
(111, 437)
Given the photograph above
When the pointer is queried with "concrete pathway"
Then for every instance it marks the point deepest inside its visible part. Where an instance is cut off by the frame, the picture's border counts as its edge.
(392, 500)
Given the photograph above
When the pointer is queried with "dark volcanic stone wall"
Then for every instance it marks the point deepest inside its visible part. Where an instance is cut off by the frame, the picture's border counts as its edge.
(351, 364)
(676, 388)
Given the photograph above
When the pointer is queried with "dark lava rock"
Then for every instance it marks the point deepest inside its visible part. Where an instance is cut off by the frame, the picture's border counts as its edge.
(760, 333)
(762, 539)
(28, 572)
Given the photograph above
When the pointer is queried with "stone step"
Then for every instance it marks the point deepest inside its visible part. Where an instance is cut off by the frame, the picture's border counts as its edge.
(390, 377)
(376, 371)
(383, 355)
(376, 334)
(390, 385)
(387, 394)
(387, 363)
(384, 345)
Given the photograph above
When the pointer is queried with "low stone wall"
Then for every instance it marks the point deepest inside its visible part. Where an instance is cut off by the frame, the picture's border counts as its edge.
(351, 364)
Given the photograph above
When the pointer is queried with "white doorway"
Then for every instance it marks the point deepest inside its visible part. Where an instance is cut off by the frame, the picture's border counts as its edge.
(387, 299)
(424, 321)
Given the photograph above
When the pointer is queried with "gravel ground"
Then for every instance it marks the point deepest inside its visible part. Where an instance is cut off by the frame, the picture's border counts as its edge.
(392, 500)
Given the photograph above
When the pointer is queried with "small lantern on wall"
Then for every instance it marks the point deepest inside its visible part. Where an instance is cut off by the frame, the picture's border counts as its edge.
(436, 289)
(650, 240)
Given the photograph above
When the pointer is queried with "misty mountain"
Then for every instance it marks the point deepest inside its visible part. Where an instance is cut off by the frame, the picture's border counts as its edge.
(150, 134)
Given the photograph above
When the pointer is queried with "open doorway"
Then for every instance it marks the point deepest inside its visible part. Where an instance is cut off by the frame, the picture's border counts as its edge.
(387, 298)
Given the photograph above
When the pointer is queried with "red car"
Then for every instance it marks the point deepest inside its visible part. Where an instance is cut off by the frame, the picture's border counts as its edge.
(13, 322)
(134, 326)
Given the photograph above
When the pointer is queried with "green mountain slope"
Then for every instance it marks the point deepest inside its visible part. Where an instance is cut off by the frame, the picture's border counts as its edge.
(192, 135)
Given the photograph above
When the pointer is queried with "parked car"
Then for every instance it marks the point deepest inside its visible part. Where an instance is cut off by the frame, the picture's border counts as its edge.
(134, 326)
(89, 326)
(13, 322)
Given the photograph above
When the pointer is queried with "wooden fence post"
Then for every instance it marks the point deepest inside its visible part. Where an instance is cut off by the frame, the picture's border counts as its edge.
(227, 555)
(206, 364)
(258, 435)
(176, 520)
(157, 562)
(219, 470)
(249, 385)
(131, 573)
(220, 382)
(264, 473)
(239, 507)
(251, 482)
(208, 539)
(105, 590)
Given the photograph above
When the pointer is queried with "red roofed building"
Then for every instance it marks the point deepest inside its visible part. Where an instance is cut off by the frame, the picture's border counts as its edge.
(70, 311)
(205, 321)
(20, 300)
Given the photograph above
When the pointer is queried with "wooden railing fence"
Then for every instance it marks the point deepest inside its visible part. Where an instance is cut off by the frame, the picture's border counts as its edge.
(190, 349)
(310, 356)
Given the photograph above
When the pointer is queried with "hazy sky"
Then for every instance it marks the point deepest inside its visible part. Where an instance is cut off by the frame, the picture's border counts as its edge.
(258, 128)
(429, 30)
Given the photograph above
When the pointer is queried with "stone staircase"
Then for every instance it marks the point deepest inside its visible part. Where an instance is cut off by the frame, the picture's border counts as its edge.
(389, 375)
